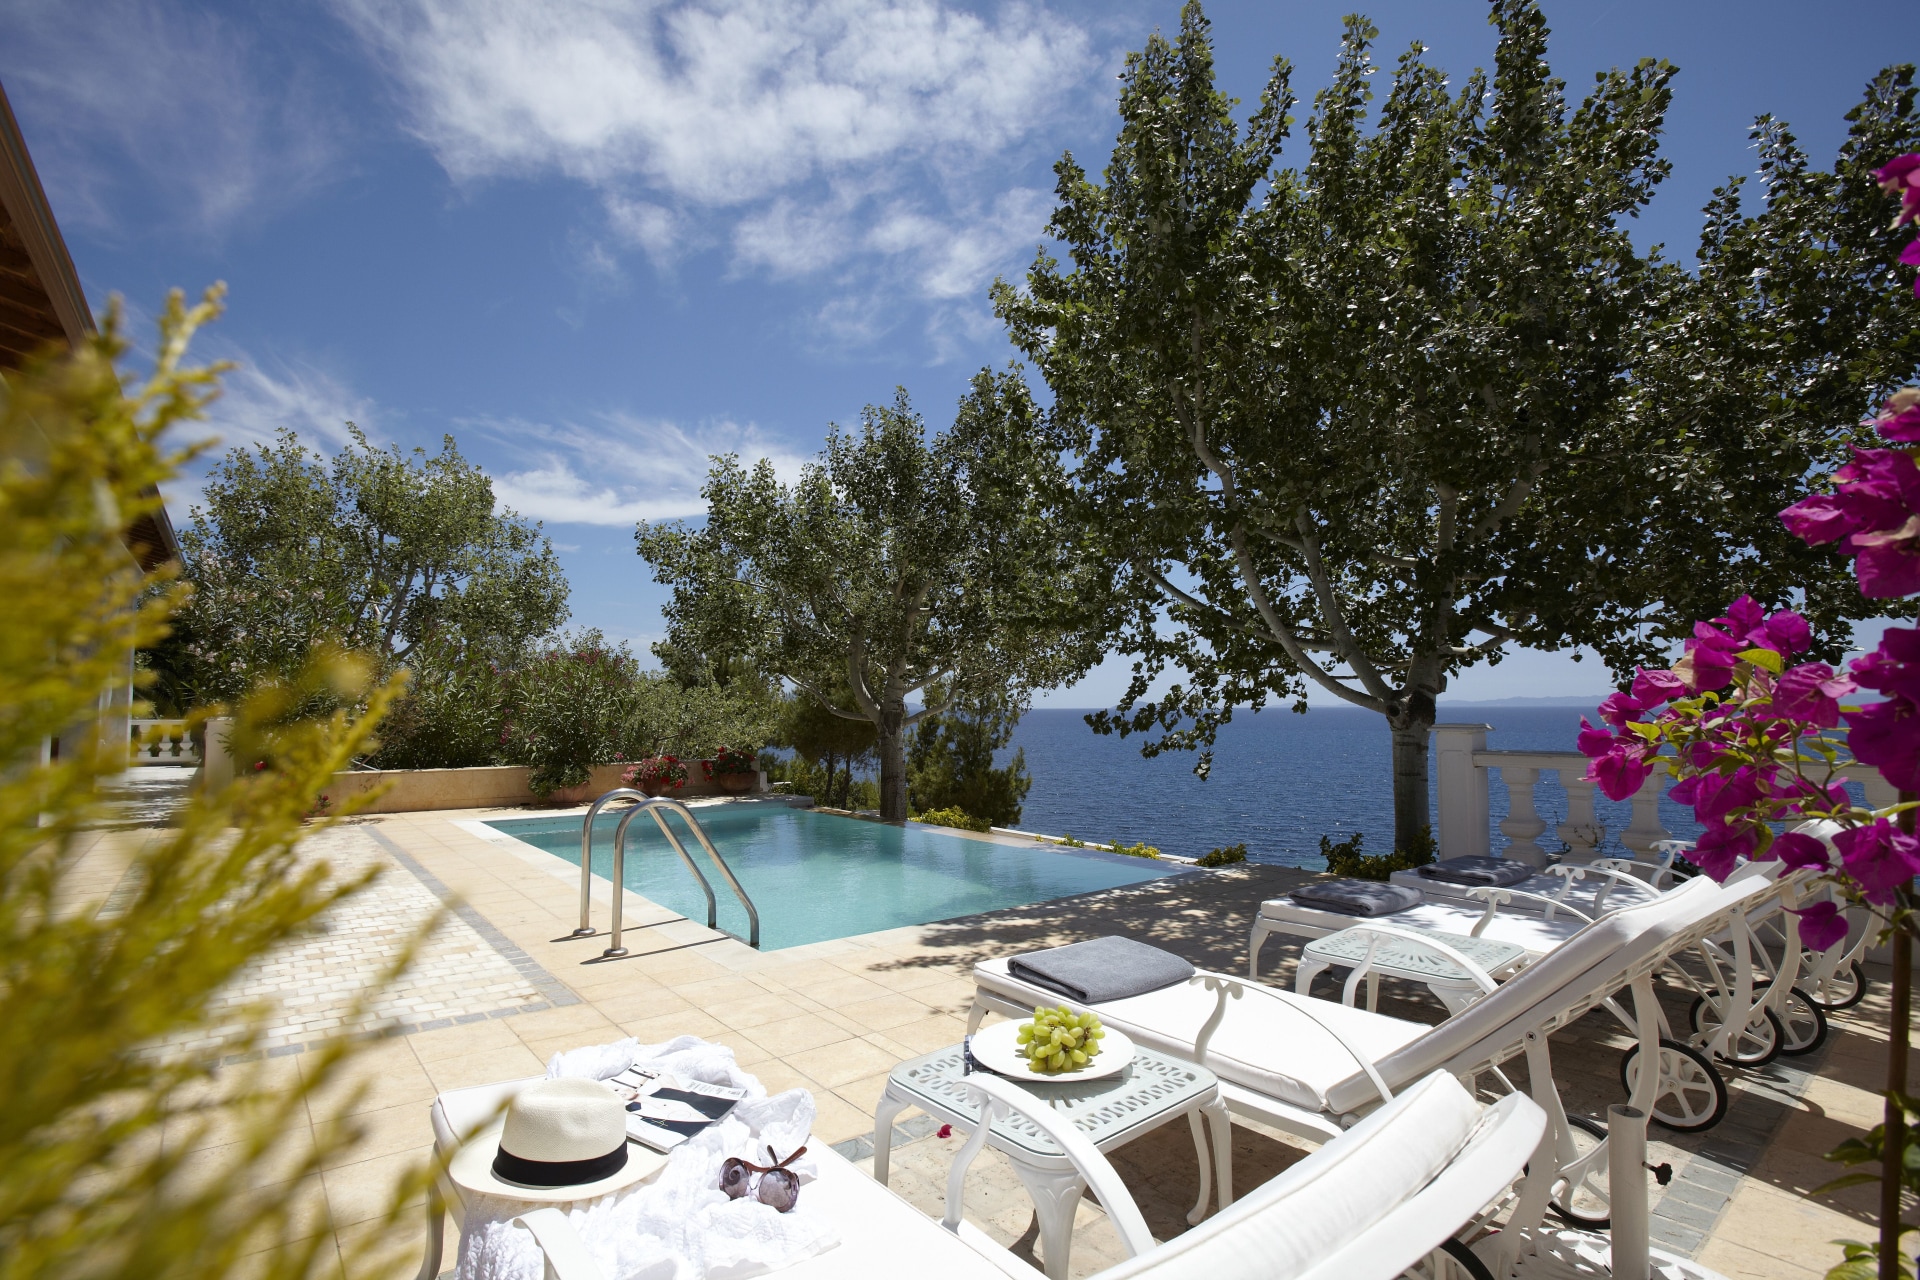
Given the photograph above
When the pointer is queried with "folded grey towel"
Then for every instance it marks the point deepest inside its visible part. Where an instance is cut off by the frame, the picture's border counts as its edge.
(1357, 897)
(1101, 969)
(1500, 872)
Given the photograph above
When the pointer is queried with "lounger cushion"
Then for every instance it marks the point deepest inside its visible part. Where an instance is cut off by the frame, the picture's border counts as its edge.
(1357, 897)
(1319, 1204)
(1537, 934)
(1261, 1044)
(1498, 872)
(1100, 969)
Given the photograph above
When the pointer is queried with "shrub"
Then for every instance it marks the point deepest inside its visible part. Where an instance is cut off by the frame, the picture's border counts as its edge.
(1142, 850)
(576, 700)
(455, 713)
(1345, 858)
(1225, 857)
(663, 773)
(951, 817)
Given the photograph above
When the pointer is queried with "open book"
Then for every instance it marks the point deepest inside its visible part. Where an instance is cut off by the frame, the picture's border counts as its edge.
(663, 1110)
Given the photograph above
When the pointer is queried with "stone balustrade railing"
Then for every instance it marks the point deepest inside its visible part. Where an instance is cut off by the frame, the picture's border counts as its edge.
(174, 745)
(1465, 791)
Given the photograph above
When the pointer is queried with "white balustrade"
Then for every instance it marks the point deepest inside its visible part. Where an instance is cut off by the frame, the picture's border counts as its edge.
(1464, 785)
(173, 746)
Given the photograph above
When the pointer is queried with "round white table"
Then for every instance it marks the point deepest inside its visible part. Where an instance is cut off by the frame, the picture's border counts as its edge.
(1111, 1112)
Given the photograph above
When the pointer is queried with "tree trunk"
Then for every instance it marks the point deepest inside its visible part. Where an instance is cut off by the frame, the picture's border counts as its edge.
(893, 761)
(1412, 730)
(1893, 1150)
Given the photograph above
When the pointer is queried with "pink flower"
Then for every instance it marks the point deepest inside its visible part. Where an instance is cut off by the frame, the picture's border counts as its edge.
(1880, 858)
(1900, 176)
(1715, 798)
(1887, 562)
(1811, 692)
(946, 1131)
(1822, 925)
(1651, 688)
(1894, 665)
(1900, 417)
(1720, 847)
(1815, 798)
(1619, 708)
(1797, 850)
(1887, 736)
(1788, 632)
(1621, 772)
(1592, 741)
(1911, 256)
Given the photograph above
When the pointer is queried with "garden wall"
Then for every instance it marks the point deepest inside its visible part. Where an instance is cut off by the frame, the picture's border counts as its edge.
(496, 787)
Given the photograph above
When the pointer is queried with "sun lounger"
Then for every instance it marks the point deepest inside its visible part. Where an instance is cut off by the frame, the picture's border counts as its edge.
(1592, 888)
(1368, 1205)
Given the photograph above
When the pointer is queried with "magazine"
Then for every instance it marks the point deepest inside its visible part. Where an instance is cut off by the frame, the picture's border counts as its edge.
(663, 1110)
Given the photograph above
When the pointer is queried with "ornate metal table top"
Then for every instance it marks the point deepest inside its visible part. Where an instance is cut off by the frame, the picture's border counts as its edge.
(1400, 957)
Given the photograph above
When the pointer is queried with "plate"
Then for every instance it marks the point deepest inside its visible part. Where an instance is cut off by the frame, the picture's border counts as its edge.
(998, 1049)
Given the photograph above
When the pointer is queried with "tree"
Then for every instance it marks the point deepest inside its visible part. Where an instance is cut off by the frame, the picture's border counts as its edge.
(374, 552)
(950, 764)
(1329, 422)
(111, 1036)
(833, 743)
(894, 564)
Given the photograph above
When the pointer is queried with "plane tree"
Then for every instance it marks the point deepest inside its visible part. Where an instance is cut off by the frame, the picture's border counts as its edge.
(896, 564)
(1329, 422)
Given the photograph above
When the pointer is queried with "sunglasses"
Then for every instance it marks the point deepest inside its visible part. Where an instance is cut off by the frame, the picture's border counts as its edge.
(775, 1185)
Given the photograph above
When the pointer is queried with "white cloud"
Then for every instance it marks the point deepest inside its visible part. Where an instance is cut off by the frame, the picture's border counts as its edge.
(261, 398)
(618, 469)
(807, 135)
(143, 111)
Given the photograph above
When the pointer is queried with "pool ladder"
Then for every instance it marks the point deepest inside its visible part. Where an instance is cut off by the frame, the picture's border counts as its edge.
(657, 806)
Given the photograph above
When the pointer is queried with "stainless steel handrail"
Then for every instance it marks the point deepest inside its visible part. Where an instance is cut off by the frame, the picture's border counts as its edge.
(655, 805)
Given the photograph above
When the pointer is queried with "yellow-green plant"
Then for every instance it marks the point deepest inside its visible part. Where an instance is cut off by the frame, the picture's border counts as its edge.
(108, 1164)
(953, 816)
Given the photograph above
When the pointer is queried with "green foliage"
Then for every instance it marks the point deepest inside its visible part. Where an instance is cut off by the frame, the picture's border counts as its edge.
(732, 760)
(375, 550)
(828, 748)
(1871, 1149)
(1142, 850)
(1229, 855)
(950, 761)
(1345, 858)
(455, 712)
(577, 701)
(896, 563)
(952, 817)
(108, 1034)
(1861, 1261)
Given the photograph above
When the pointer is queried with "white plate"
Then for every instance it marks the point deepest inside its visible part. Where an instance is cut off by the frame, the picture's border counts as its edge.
(998, 1049)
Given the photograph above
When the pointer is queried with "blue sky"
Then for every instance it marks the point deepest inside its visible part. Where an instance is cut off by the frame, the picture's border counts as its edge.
(596, 241)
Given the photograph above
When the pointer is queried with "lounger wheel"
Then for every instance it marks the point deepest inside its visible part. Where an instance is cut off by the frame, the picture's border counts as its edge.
(1805, 1023)
(1583, 1203)
(1758, 1043)
(1692, 1095)
(1845, 989)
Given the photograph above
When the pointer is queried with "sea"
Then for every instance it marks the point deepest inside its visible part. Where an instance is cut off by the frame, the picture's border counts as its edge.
(1280, 781)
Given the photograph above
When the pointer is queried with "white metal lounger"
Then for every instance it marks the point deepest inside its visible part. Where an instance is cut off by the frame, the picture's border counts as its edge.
(1311, 1066)
(1371, 1204)
(1593, 888)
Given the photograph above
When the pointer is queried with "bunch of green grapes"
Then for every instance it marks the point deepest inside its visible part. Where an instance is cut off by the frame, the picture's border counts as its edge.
(1060, 1040)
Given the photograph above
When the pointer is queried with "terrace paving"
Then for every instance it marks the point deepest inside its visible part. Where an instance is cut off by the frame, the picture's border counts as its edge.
(500, 986)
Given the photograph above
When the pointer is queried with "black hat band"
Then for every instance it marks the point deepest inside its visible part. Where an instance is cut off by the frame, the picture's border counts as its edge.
(558, 1173)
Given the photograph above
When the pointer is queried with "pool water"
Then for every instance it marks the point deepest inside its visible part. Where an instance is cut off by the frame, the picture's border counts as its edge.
(815, 876)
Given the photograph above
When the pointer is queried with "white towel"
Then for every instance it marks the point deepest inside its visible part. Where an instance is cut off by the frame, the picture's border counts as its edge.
(679, 1226)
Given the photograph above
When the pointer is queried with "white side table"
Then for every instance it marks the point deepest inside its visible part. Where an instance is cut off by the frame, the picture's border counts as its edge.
(1401, 957)
(1111, 1112)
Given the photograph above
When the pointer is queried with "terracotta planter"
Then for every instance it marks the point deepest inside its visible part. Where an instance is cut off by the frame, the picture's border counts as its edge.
(657, 788)
(734, 784)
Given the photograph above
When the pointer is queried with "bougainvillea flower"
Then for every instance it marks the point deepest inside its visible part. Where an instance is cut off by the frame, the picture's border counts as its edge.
(1798, 850)
(1822, 926)
(1618, 765)
(1745, 622)
(1619, 708)
(1720, 847)
(1900, 416)
(1592, 741)
(1911, 254)
(1787, 632)
(1893, 667)
(1811, 692)
(1886, 735)
(1900, 176)
(1705, 668)
(1878, 490)
(1887, 562)
(1717, 797)
(1651, 688)
(1880, 857)
(1812, 797)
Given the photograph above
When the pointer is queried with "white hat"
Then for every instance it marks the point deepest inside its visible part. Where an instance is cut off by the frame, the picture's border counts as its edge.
(560, 1140)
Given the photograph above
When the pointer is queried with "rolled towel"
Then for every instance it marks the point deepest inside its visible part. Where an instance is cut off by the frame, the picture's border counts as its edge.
(1357, 897)
(1498, 872)
(1101, 969)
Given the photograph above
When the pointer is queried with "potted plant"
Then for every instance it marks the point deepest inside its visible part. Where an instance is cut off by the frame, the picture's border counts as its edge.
(656, 774)
(734, 770)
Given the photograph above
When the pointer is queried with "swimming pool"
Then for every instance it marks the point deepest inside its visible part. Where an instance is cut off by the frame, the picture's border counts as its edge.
(815, 876)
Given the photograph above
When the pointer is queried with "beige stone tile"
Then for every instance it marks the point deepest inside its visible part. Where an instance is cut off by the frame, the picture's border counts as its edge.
(843, 1062)
(719, 991)
(471, 1037)
(756, 1010)
(630, 1005)
(928, 1034)
(886, 1011)
(485, 1066)
(378, 1133)
(371, 1188)
(389, 1076)
(1787, 1227)
(836, 1120)
(796, 1035)
(689, 1022)
(584, 1020)
(1736, 1261)
(376, 1249)
(315, 1257)
(776, 1076)
(864, 1093)
(837, 993)
(287, 1158)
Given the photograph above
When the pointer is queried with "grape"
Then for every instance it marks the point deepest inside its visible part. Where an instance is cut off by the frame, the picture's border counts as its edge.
(1059, 1040)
